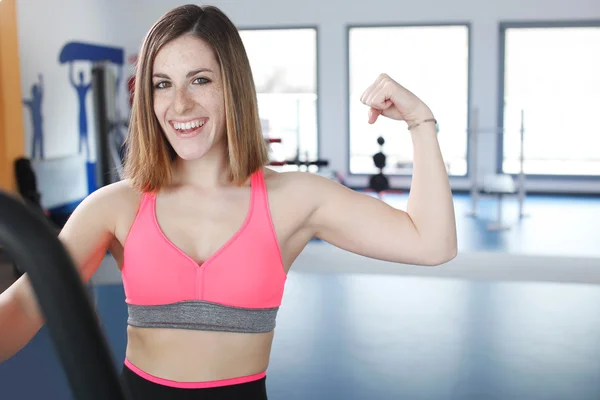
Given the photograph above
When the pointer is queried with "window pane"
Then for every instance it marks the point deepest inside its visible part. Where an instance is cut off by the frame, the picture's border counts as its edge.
(432, 62)
(552, 75)
(284, 67)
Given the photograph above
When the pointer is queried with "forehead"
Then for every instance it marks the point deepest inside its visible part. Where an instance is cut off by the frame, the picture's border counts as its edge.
(185, 53)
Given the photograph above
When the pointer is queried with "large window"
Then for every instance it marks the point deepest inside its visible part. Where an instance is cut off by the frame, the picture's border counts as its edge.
(432, 62)
(284, 67)
(552, 75)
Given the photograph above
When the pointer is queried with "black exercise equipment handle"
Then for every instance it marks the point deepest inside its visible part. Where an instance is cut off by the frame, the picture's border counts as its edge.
(32, 244)
(318, 163)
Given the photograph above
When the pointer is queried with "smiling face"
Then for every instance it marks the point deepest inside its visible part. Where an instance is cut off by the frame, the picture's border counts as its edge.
(188, 97)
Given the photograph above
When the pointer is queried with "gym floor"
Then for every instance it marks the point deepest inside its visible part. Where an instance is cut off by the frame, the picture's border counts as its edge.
(514, 316)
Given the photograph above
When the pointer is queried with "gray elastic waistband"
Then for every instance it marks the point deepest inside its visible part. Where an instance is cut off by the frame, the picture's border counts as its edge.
(201, 315)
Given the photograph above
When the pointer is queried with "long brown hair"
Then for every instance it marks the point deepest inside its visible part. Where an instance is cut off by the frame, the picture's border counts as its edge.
(149, 154)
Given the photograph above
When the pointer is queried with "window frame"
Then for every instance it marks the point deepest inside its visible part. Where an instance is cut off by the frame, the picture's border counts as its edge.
(468, 25)
(315, 28)
(502, 29)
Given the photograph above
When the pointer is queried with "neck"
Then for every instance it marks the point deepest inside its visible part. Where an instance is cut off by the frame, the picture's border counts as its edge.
(209, 171)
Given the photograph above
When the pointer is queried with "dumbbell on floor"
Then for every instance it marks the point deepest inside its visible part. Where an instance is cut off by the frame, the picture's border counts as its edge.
(379, 182)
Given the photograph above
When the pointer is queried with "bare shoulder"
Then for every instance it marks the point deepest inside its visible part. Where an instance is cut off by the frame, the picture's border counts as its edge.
(123, 202)
(113, 197)
(296, 181)
(91, 229)
(108, 206)
(122, 194)
(303, 189)
(294, 199)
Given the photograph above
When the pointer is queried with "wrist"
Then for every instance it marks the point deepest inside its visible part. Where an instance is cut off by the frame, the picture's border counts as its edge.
(428, 122)
(423, 115)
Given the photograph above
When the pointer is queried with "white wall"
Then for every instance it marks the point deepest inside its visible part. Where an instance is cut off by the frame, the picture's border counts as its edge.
(44, 28)
(332, 16)
(125, 23)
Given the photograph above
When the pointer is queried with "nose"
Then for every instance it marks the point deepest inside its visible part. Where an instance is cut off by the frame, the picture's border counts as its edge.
(183, 101)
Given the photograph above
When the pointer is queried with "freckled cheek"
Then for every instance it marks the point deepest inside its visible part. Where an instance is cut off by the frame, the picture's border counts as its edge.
(160, 100)
(218, 109)
(212, 101)
(160, 105)
(217, 105)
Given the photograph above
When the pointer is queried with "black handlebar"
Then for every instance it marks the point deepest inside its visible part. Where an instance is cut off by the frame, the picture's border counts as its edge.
(31, 243)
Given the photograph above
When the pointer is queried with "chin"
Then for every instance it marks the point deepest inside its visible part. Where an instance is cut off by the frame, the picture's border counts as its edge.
(195, 147)
(190, 149)
(191, 154)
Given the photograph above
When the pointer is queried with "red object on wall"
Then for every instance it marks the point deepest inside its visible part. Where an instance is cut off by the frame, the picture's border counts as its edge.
(131, 88)
(132, 59)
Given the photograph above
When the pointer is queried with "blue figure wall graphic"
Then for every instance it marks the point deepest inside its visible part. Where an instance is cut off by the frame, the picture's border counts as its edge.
(35, 108)
(77, 51)
(82, 90)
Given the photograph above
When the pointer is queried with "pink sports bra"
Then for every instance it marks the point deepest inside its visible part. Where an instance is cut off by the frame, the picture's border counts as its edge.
(237, 289)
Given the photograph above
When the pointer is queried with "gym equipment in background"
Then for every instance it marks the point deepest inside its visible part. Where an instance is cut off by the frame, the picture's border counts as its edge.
(306, 164)
(498, 184)
(379, 183)
(110, 126)
(297, 161)
(28, 190)
(301, 163)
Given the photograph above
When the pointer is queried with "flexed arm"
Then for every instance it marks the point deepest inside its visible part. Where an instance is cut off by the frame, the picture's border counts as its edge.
(426, 233)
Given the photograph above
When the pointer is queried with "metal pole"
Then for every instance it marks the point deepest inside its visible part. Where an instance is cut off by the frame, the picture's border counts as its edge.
(499, 225)
(298, 132)
(32, 244)
(522, 193)
(472, 133)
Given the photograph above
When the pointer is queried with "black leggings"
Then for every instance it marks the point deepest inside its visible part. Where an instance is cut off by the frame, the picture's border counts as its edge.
(141, 389)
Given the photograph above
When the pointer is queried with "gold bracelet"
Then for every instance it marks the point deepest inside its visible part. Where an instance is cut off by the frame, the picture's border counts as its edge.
(422, 122)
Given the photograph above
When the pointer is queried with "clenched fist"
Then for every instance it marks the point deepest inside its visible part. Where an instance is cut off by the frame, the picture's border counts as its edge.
(387, 97)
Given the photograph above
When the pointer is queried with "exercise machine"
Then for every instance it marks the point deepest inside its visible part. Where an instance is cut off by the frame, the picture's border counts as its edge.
(498, 185)
(306, 163)
(31, 242)
(110, 127)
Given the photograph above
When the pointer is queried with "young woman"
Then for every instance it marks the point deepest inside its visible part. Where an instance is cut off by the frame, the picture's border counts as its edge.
(205, 234)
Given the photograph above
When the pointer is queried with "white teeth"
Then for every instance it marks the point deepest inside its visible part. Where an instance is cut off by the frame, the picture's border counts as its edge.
(187, 125)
